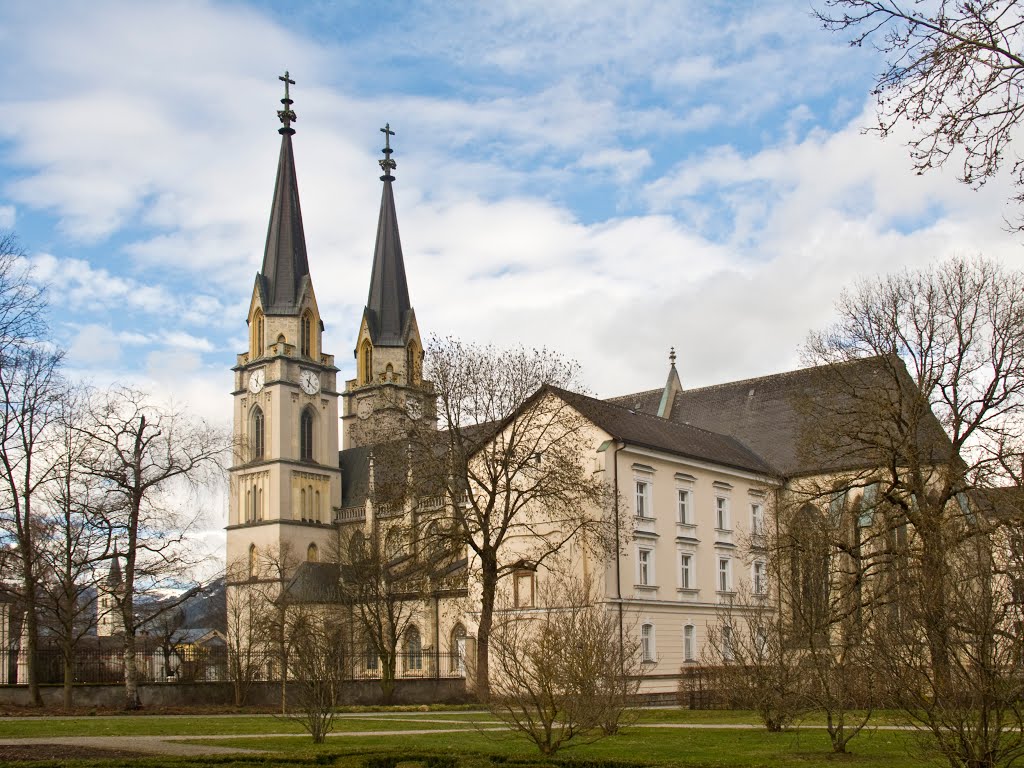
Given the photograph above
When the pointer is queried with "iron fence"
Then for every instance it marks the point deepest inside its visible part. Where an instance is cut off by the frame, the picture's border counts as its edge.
(211, 664)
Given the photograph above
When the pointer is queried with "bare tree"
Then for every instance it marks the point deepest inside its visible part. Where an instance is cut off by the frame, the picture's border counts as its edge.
(143, 454)
(384, 583)
(266, 574)
(248, 634)
(931, 419)
(954, 72)
(72, 545)
(316, 668)
(563, 671)
(513, 461)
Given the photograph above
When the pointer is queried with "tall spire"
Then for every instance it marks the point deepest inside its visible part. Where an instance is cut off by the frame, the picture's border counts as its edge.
(284, 260)
(388, 305)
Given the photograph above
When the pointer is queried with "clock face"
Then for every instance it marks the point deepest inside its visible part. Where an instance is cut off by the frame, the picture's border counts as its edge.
(365, 408)
(309, 381)
(256, 379)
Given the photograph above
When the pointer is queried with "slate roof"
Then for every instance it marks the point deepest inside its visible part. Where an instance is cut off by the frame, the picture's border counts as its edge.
(650, 431)
(285, 265)
(314, 583)
(388, 309)
(769, 414)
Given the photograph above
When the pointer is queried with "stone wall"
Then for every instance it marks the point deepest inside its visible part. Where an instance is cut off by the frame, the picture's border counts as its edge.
(155, 695)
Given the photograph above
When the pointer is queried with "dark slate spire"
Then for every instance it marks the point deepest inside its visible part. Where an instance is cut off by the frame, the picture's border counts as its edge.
(114, 578)
(388, 306)
(284, 261)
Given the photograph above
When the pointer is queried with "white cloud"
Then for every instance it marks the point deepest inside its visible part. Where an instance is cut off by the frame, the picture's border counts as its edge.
(8, 215)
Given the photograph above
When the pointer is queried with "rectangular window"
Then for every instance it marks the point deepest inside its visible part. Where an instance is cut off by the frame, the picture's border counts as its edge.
(689, 642)
(643, 499)
(727, 652)
(645, 560)
(686, 571)
(760, 583)
(524, 589)
(684, 507)
(756, 519)
(724, 581)
(722, 513)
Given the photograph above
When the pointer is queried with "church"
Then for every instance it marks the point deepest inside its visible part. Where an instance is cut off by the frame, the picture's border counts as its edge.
(696, 472)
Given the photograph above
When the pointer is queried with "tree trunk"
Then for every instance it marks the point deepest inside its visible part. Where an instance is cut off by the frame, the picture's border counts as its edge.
(69, 673)
(131, 672)
(489, 583)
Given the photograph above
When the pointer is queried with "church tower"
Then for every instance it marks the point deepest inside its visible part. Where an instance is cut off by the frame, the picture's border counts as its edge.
(388, 391)
(285, 478)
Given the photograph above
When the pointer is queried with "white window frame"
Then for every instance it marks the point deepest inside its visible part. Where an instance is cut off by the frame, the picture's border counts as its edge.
(689, 642)
(722, 512)
(644, 499)
(728, 652)
(724, 574)
(647, 645)
(759, 578)
(687, 570)
(756, 518)
(645, 566)
(684, 506)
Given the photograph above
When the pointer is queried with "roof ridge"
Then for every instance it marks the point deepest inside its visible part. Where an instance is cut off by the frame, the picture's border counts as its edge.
(780, 374)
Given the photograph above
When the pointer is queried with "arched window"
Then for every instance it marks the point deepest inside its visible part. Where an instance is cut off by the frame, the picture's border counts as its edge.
(808, 551)
(306, 334)
(393, 544)
(647, 643)
(255, 503)
(253, 561)
(355, 547)
(306, 435)
(367, 356)
(411, 364)
(435, 547)
(257, 334)
(309, 501)
(312, 553)
(316, 507)
(247, 511)
(302, 503)
(413, 649)
(259, 504)
(257, 433)
(458, 649)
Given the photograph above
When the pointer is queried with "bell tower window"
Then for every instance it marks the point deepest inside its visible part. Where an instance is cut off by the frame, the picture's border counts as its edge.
(306, 436)
(306, 334)
(257, 433)
(410, 364)
(257, 334)
(367, 361)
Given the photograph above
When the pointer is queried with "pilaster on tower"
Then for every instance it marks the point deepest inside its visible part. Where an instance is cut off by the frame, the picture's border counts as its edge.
(388, 391)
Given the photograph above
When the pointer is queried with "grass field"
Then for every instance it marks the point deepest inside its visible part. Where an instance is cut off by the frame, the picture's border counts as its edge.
(704, 747)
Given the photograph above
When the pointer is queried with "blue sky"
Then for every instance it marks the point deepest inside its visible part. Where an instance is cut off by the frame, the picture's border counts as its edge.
(609, 179)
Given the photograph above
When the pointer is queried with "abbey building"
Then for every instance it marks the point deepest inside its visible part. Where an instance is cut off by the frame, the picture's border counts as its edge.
(696, 473)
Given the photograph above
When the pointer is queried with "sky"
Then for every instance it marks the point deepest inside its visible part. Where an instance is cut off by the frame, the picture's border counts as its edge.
(606, 179)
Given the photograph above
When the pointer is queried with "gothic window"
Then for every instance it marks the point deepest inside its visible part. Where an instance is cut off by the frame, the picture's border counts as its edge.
(413, 649)
(458, 649)
(302, 503)
(435, 547)
(355, 547)
(367, 363)
(316, 506)
(257, 334)
(393, 544)
(808, 565)
(306, 436)
(306, 334)
(253, 557)
(248, 506)
(410, 364)
(257, 433)
(255, 503)
(312, 553)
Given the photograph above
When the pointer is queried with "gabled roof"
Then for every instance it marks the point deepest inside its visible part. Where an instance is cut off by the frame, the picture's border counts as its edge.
(770, 415)
(285, 265)
(388, 310)
(649, 431)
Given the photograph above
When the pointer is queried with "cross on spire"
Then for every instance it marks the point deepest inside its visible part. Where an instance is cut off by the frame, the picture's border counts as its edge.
(672, 356)
(387, 164)
(286, 115)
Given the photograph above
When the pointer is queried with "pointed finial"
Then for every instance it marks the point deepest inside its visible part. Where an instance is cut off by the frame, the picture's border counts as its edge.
(387, 164)
(672, 356)
(286, 115)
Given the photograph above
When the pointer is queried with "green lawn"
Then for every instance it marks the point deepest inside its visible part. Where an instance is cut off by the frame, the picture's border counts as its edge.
(693, 748)
(204, 726)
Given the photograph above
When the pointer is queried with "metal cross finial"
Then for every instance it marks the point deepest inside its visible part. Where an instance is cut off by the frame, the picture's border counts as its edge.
(286, 115)
(672, 356)
(387, 164)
